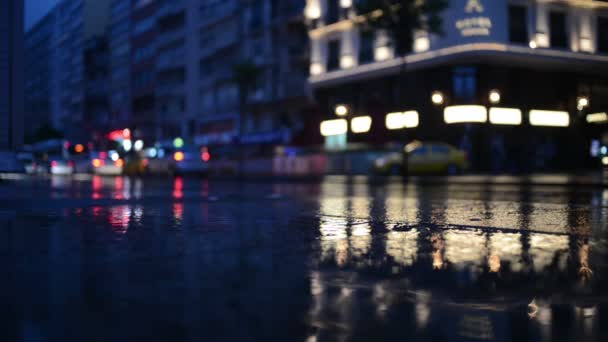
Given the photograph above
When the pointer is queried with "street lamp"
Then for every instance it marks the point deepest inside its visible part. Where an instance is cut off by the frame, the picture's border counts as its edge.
(494, 96)
(341, 110)
(582, 102)
(437, 98)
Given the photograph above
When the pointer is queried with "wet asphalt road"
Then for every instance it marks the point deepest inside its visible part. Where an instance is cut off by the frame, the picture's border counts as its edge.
(119, 259)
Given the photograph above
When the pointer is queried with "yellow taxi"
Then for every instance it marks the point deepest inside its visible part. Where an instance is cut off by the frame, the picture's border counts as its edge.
(424, 158)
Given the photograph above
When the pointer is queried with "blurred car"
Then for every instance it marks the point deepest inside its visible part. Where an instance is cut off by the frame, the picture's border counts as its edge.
(32, 166)
(191, 161)
(135, 165)
(424, 158)
(61, 166)
(107, 167)
(9, 163)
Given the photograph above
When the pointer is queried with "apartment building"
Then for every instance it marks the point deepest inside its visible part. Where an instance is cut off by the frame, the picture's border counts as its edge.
(11, 74)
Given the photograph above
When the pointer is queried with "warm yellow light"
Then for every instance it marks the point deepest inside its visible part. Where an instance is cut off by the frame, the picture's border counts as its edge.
(460, 114)
(586, 45)
(334, 127)
(494, 96)
(549, 118)
(582, 103)
(422, 44)
(79, 148)
(346, 3)
(505, 116)
(97, 162)
(411, 119)
(399, 120)
(316, 69)
(605, 160)
(347, 62)
(382, 53)
(178, 156)
(341, 110)
(437, 98)
(597, 118)
(313, 11)
(542, 40)
(361, 124)
(394, 121)
(120, 163)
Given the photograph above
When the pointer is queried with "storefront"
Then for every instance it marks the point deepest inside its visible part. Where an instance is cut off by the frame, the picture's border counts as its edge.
(515, 97)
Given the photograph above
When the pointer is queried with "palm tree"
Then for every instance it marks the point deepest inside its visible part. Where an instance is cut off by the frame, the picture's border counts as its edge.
(245, 75)
(400, 19)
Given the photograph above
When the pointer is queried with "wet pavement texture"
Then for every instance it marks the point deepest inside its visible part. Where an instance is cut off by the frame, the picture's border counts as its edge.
(120, 259)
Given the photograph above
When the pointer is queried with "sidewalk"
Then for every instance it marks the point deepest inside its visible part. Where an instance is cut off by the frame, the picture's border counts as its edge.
(584, 179)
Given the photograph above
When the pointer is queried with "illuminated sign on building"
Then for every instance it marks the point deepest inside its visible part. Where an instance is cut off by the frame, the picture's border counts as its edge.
(477, 25)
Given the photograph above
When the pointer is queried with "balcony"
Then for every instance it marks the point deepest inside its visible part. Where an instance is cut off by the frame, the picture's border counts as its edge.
(210, 15)
(170, 90)
(168, 37)
(169, 8)
(171, 60)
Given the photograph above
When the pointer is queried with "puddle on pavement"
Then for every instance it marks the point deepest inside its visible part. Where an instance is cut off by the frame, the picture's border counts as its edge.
(323, 262)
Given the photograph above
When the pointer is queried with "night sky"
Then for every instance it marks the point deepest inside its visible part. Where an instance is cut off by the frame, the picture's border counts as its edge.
(36, 9)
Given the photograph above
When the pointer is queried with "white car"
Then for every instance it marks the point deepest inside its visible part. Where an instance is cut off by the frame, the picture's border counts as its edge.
(62, 167)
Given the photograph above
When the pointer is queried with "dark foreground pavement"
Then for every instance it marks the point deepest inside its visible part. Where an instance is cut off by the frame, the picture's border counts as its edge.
(119, 259)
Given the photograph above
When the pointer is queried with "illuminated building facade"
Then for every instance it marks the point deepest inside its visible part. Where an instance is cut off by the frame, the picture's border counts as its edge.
(520, 68)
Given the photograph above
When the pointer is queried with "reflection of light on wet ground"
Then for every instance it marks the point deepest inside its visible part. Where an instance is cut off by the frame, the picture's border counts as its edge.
(178, 212)
(423, 309)
(60, 182)
(360, 239)
(549, 218)
(138, 212)
(544, 248)
(505, 247)
(97, 186)
(119, 218)
(465, 247)
(178, 188)
(402, 246)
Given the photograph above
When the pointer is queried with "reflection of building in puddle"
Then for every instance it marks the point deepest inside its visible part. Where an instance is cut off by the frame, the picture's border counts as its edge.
(402, 246)
(465, 248)
(540, 311)
(585, 270)
(119, 218)
(334, 240)
(438, 245)
(400, 210)
(423, 309)
(586, 316)
(505, 247)
(545, 249)
(551, 218)
(360, 240)
(476, 326)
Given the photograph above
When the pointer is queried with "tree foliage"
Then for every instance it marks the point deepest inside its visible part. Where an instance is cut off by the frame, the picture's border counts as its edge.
(245, 75)
(400, 19)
